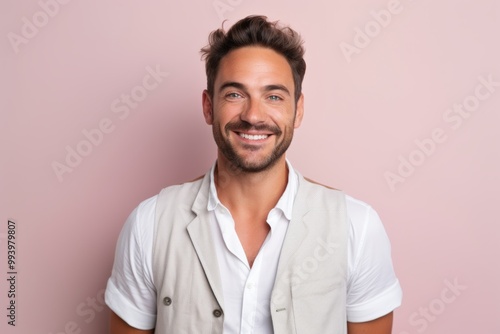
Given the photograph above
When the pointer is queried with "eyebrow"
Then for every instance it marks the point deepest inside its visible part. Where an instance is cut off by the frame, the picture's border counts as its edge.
(241, 86)
(234, 84)
(277, 87)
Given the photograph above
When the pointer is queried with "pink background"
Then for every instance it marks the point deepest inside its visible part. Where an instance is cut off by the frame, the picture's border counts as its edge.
(364, 113)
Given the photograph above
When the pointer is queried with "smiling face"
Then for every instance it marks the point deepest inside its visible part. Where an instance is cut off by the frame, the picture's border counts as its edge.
(253, 111)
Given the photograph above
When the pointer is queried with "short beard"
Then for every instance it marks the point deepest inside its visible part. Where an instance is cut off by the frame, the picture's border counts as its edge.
(236, 161)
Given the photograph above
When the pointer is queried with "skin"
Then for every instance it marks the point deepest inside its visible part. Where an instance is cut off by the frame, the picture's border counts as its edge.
(118, 326)
(254, 95)
(382, 325)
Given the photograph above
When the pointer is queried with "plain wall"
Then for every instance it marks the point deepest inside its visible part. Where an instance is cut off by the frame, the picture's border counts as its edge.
(399, 113)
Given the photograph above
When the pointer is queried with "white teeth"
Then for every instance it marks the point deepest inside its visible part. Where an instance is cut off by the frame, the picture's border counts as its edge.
(253, 137)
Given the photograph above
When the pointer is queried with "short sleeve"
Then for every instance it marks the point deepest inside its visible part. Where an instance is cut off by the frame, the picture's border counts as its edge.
(373, 289)
(130, 291)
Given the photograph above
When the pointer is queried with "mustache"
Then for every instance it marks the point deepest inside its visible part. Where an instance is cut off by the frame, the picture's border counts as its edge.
(239, 126)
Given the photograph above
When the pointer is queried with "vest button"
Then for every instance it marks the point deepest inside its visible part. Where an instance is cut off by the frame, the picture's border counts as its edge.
(167, 301)
(217, 313)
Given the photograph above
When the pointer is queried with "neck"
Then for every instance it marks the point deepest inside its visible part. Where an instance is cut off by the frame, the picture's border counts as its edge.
(252, 192)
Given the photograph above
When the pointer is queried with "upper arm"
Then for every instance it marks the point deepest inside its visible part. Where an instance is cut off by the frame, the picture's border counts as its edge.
(373, 289)
(130, 291)
(118, 326)
(382, 325)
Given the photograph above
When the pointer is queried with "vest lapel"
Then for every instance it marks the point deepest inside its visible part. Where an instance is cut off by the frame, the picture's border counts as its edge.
(201, 237)
(297, 229)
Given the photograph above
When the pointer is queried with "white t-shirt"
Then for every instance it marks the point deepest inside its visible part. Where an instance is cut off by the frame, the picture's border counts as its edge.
(372, 287)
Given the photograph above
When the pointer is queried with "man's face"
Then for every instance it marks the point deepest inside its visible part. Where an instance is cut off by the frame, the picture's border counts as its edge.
(253, 112)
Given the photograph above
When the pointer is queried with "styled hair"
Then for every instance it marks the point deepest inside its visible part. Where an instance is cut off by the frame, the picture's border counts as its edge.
(255, 31)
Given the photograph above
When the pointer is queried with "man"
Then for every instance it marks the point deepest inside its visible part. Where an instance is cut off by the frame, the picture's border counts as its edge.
(253, 247)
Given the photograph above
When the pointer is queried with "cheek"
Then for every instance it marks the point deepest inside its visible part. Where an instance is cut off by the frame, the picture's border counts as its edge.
(284, 118)
(227, 112)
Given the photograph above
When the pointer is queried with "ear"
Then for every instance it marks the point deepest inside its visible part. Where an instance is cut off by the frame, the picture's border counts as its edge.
(208, 110)
(299, 111)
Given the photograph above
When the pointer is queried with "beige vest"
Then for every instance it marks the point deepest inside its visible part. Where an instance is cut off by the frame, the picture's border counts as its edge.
(309, 294)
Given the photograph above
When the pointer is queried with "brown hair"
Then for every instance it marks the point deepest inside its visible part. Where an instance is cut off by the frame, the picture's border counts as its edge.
(255, 30)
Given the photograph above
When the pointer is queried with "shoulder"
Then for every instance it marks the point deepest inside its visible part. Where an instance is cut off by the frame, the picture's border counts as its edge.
(139, 223)
(359, 212)
(315, 194)
(143, 216)
(179, 191)
(365, 228)
(321, 185)
(355, 206)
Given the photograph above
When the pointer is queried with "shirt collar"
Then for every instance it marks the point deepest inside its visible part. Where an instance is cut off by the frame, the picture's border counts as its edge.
(285, 203)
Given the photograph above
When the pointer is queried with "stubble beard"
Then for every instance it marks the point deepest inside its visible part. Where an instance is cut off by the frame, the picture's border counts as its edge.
(238, 162)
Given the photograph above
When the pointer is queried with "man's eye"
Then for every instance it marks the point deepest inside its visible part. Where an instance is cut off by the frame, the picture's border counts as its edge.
(275, 98)
(233, 95)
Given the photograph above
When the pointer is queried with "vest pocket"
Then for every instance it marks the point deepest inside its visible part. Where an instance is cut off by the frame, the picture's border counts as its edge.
(319, 307)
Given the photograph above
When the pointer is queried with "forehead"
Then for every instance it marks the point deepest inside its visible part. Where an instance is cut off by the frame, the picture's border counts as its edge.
(254, 65)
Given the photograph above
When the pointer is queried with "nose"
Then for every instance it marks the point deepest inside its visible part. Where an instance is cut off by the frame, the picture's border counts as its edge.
(253, 112)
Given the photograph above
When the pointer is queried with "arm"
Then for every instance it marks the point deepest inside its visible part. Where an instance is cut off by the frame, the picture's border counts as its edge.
(130, 293)
(382, 325)
(373, 290)
(118, 326)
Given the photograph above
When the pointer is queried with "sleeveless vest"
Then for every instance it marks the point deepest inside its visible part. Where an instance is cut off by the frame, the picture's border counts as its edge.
(309, 293)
